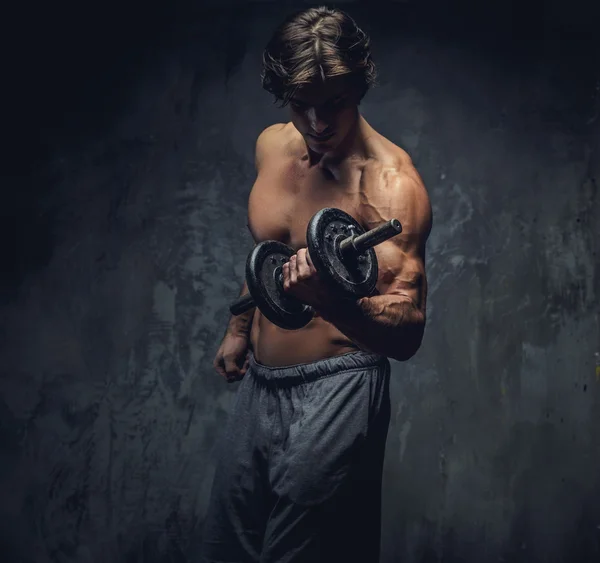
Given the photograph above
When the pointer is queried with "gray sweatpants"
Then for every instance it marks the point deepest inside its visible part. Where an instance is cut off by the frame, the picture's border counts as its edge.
(299, 472)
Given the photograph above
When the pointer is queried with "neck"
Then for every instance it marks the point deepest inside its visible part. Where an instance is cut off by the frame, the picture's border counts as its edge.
(352, 144)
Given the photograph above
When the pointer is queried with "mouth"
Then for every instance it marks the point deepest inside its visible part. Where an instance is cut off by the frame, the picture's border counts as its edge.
(321, 138)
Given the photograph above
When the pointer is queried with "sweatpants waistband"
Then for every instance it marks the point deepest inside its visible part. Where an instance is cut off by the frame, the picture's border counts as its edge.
(311, 371)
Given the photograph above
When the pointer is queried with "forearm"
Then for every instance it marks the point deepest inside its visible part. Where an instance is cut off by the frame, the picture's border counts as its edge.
(241, 324)
(382, 324)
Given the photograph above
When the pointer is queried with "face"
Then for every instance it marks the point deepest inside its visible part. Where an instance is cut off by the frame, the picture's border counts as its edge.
(324, 113)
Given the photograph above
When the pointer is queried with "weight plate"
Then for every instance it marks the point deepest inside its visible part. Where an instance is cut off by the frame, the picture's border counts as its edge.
(353, 278)
(262, 268)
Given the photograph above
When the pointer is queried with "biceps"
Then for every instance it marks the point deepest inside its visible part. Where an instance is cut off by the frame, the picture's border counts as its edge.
(408, 282)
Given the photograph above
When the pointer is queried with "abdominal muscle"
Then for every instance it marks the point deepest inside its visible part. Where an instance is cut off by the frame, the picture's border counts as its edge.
(276, 347)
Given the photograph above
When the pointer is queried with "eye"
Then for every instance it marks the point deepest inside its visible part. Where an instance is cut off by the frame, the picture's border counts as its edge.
(297, 106)
(337, 102)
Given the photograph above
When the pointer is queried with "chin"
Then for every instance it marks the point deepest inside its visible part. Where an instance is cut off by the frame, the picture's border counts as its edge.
(317, 147)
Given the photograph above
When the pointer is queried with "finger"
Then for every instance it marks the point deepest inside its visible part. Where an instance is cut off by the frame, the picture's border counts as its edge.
(231, 368)
(242, 368)
(218, 362)
(302, 267)
(310, 262)
(286, 276)
(293, 270)
(220, 370)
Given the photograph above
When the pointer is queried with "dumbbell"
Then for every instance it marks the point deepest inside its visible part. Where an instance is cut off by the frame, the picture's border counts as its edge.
(342, 253)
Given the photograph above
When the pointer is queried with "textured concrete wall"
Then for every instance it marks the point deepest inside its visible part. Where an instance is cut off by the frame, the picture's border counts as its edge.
(133, 244)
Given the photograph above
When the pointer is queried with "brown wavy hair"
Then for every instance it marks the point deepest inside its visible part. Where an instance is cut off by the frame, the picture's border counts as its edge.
(316, 44)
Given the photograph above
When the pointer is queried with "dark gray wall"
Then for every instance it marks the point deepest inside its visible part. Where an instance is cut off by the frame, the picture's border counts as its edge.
(124, 232)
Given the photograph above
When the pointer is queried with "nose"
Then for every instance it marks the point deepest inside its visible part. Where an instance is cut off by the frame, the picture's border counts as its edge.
(317, 123)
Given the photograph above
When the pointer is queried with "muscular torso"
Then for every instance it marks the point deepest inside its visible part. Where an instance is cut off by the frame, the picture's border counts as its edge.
(288, 191)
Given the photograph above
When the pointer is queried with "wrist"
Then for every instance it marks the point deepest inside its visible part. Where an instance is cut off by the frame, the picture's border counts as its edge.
(235, 330)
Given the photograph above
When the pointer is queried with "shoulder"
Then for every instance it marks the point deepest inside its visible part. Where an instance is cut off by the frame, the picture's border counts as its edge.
(393, 180)
(271, 133)
(275, 141)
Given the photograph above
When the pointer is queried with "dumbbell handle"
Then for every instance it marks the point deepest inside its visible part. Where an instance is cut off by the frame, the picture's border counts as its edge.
(241, 305)
(353, 245)
(350, 247)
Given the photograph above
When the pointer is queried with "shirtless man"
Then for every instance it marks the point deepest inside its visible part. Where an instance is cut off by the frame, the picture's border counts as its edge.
(300, 469)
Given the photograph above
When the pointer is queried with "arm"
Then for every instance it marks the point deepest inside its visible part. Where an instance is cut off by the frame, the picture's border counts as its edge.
(241, 324)
(392, 323)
